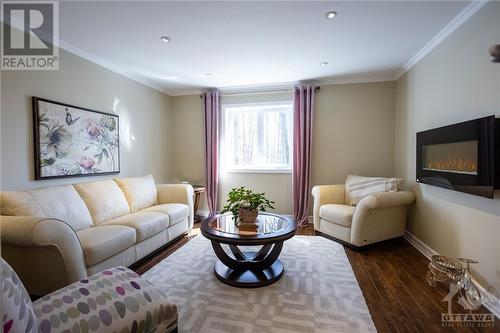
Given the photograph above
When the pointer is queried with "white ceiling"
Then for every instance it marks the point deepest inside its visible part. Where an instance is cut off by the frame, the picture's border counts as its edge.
(251, 43)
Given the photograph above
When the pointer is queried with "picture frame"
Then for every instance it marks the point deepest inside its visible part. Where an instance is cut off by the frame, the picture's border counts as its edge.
(73, 141)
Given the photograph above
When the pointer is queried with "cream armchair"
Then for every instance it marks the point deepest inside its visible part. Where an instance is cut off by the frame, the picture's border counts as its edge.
(376, 217)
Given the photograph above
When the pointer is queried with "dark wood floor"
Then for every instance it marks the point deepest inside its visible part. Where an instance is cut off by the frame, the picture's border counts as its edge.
(392, 278)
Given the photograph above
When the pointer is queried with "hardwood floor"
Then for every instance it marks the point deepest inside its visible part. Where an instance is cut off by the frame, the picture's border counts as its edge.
(392, 278)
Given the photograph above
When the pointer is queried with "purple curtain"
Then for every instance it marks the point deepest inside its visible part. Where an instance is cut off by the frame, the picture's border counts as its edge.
(303, 106)
(211, 112)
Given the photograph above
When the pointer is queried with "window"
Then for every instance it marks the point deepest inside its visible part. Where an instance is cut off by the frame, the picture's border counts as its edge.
(257, 137)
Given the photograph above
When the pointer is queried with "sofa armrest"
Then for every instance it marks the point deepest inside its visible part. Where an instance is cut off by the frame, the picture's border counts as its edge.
(35, 233)
(387, 199)
(177, 193)
(326, 194)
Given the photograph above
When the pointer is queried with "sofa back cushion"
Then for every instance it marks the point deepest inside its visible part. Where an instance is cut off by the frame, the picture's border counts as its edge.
(105, 200)
(140, 191)
(64, 203)
(17, 309)
(19, 203)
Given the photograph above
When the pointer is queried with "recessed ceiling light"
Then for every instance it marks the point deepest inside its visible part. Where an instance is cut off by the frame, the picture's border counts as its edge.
(330, 15)
(324, 63)
(165, 39)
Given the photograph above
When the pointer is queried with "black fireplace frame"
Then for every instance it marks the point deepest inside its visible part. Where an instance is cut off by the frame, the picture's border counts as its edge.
(486, 131)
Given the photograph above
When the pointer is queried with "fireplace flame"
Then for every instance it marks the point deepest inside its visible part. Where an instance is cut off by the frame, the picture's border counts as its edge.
(453, 164)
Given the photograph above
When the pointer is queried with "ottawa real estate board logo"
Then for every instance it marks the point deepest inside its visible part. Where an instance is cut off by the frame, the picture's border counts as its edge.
(30, 35)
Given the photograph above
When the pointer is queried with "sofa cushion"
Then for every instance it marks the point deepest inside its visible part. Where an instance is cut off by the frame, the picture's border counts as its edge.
(139, 191)
(64, 203)
(114, 300)
(101, 242)
(175, 212)
(104, 199)
(19, 203)
(338, 214)
(145, 224)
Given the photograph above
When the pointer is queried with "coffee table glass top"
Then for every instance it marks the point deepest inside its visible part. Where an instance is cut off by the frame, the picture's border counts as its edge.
(266, 224)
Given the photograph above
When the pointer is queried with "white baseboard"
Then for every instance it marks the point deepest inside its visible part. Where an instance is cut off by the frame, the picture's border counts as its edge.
(425, 249)
(490, 301)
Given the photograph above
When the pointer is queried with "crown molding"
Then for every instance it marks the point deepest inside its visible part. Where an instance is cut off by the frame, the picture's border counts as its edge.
(389, 76)
(186, 92)
(453, 25)
(268, 87)
(112, 67)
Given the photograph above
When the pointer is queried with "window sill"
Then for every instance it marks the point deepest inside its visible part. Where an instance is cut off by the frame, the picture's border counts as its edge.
(257, 171)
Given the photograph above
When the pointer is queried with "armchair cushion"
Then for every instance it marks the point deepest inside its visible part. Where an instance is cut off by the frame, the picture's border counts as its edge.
(338, 214)
(146, 224)
(140, 191)
(17, 309)
(357, 187)
(114, 300)
(102, 242)
(175, 212)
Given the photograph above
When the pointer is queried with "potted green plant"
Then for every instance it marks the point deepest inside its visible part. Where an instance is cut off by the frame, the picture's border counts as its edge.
(245, 205)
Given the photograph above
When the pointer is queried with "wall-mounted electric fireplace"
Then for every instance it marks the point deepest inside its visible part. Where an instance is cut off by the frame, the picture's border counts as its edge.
(462, 157)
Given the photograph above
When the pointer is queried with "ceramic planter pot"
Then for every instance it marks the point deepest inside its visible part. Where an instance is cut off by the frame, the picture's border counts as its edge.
(248, 215)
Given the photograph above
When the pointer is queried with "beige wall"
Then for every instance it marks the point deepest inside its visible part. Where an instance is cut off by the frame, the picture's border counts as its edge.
(454, 83)
(353, 133)
(145, 118)
(189, 162)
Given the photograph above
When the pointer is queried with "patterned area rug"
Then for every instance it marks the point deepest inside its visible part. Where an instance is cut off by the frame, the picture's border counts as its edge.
(318, 291)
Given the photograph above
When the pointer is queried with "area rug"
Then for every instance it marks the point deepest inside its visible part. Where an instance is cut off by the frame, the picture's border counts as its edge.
(317, 293)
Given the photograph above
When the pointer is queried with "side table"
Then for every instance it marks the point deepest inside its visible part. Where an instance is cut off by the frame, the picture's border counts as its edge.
(198, 190)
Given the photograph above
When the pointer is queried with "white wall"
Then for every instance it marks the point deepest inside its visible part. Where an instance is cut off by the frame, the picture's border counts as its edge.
(145, 119)
(353, 133)
(453, 83)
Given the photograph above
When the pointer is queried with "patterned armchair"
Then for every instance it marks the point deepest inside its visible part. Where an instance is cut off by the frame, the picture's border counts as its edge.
(114, 300)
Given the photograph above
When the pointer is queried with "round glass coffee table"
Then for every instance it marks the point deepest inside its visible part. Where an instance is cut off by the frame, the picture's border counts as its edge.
(254, 267)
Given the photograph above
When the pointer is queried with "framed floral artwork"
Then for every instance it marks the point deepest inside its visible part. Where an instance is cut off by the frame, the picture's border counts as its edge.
(71, 141)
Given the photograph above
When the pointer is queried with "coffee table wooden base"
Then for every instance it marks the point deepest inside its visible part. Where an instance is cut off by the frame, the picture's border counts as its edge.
(248, 269)
(249, 278)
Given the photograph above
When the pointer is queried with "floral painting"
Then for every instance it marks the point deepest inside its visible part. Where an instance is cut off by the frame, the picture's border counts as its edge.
(73, 141)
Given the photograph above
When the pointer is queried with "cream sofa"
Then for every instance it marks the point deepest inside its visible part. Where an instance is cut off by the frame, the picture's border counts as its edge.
(55, 236)
(375, 218)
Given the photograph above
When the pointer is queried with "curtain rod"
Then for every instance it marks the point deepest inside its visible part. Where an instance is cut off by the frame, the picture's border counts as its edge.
(258, 92)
